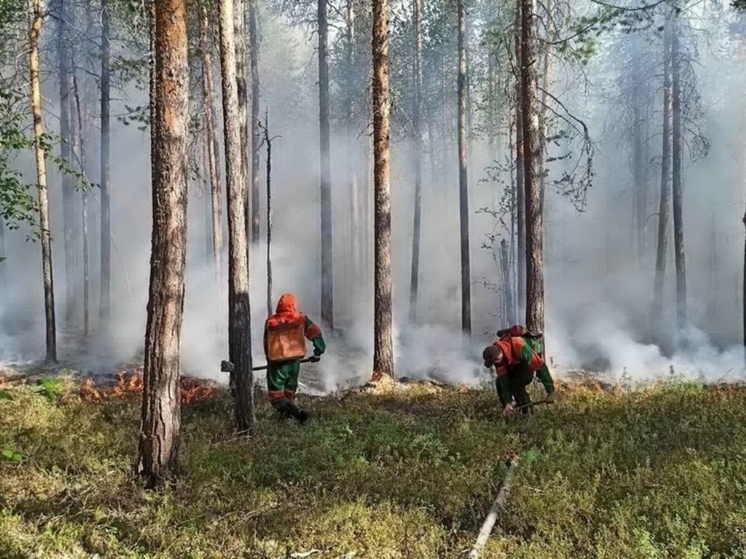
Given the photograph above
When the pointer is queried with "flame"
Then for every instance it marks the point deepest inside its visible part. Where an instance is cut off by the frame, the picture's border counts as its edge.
(130, 384)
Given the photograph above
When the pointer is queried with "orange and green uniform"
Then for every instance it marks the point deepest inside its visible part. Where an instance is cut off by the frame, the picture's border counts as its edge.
(521, 361)
(282, 374)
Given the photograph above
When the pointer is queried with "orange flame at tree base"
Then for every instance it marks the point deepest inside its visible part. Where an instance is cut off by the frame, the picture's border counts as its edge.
(129, 384)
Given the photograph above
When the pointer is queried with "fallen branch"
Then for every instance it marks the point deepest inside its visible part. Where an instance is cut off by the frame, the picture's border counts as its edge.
(497, 506)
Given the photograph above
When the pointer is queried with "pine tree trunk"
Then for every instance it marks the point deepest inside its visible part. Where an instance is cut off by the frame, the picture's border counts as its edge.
(664, 211)
(678, 218)
(41, 181)
(520, 206)
(241, 58)
(79, 148)
(352, 153)
(417, 125)
(463, 182)
(383, 346)
(532, 172)
(255, 140)
(105, 295)
(546, 87)
(161, 410)
(208, 91)
(327, 282)
(239, 310)
(640, 186)
(68, 184)
(507, 283)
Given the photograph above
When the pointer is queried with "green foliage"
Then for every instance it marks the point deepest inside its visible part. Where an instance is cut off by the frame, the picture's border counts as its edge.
(50, 388)
(653, 473)
(9, 454)
(5, 395)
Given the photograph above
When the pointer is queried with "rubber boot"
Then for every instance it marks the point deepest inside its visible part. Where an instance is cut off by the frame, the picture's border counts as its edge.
(300, 415)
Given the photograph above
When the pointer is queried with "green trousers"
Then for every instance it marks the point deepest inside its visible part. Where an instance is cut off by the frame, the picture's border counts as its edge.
(282, 384)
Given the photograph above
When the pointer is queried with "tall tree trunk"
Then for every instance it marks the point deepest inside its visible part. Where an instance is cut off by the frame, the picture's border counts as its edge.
(239, 309)
(547, 87)
(268, 141)
(352, 153)
(212, 139)
(507, 283)
(383, 343)
(327, 281)
(678, 218)
(520, 207)
(463, 182)
(41, 181)
(105, 295)
(79, 148)
(532, 172)
(68, 183)
(255, 141)
(161, 410)
(241, 58)
(640, 194)
(664, 211)
(417, 124)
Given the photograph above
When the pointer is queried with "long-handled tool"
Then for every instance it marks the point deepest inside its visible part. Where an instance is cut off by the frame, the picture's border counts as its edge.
(228, 367)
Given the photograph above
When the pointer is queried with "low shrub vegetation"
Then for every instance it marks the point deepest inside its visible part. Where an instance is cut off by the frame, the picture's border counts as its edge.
(657, 472)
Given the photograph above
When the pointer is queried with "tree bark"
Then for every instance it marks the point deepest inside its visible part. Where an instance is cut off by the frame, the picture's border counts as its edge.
(520, 207)
(546, 87)
(327, 281)
(463, 182)
(507, 283)
(105, 295)
(532, 172)
(417, 125)
(255, 140)
(208, 90)
(352, 153)
(241, 60)
(41, 181)
(664, 210)
(383, 346)
(161, 409)
(678, 218)
(239, 310)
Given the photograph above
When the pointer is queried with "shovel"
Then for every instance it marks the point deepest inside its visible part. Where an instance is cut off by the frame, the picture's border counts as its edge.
(228, 367)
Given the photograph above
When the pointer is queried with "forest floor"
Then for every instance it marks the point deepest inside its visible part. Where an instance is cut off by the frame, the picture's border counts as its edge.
(656, 472)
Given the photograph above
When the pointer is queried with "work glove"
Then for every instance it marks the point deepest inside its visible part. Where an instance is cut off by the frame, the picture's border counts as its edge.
(508, 410)
(314, 359)
(317, 353)
(550, 398)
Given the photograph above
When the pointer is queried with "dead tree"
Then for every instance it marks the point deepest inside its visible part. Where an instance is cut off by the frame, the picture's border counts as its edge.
(255, 136)
(664, 210)
(463, 168)
(37, 16)
(327, 277)
(208, 91)
(239, 309)
(268, 143)
(105, 279)
(678, 218)
(383, 342)
(161, 408)
(417, 125)
(532, 170)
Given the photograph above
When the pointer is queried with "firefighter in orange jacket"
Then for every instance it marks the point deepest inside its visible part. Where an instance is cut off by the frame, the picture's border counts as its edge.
(285, 334)
(517, 357)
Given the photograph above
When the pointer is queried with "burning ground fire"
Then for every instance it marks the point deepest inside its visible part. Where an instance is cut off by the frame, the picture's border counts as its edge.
(128, 384)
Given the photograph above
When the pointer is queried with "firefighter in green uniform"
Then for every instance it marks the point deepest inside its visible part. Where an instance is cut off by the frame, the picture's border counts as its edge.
(285, 334)
(517, 356)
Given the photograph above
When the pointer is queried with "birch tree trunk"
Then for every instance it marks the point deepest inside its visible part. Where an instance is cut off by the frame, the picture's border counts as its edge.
(239, 309)
(161, 410)
(417, 124)
(678, 218)
(37, 16)
(532, 171)
(327, 281)
(383, 343)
